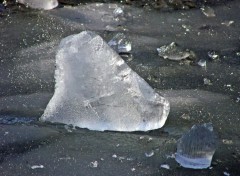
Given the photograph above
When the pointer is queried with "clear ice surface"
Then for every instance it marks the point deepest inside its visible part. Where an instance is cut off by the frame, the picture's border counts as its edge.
(96, 89)
(40, 4)
(195, 149)
(120, 43)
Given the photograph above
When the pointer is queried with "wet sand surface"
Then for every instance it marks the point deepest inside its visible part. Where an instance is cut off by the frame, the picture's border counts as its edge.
(28, 44)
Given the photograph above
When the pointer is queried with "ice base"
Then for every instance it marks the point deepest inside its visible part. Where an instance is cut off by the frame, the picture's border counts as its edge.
(96, 89)
(193, 163)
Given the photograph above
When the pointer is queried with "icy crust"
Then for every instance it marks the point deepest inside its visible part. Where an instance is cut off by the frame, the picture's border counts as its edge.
(96, 89)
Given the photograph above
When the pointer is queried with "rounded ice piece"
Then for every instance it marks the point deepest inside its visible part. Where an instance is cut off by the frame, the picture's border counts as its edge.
(195, 149)
(40, 4)
(96, 89)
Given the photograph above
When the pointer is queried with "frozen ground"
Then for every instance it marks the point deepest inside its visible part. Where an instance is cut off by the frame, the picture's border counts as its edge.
(27, 53)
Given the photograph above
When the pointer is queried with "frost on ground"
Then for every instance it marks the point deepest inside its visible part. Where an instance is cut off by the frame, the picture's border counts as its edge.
(96, 89)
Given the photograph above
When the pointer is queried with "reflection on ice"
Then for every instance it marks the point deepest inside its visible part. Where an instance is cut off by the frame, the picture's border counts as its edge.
(195, 149)
(96, 89)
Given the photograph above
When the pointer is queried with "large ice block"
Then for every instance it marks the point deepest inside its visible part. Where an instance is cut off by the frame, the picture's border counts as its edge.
(96, 89)
(195, 149)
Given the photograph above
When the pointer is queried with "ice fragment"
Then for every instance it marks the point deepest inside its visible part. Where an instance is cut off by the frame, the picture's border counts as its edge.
(174, 52)
(227, 23)
(114, 156)
(118, 11)
(195, 149)
(207, 81)
(120, 43)
(149, 154)
(94, 164)
(37, 167)
(208, 11)
(226, 174)
(40, 4)
(165, 166)
(213, 55)
(202, 62)
(96, 89)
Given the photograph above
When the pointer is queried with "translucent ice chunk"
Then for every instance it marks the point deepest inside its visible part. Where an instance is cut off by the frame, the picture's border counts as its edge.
(96, 89)
(120, 43)
(213, 55)
(202, 63)
(195, 149)
(174, 52)
(40, 4)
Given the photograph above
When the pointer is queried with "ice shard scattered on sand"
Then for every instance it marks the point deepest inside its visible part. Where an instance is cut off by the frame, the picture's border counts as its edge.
(96, 89)
(120, 43)
(40, 4)
(175, 52)
(195, 149)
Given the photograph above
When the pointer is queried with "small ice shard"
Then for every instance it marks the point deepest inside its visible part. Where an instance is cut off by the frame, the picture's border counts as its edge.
(195, 149)
(174, 52)
(133, 169)
(227, 141)
(170, 156)
(186, 27)
(149, 154)
(202, 63)
(96, 89)
(208, 11)
(238, 100)
(40, 4)
(120, 43)
(227, 23)
(118, 12)
(213, 55)
(226, 174)
(114, 156)
(37, 167)
(185, 116)
(207, 81)
(94, 164)
(165, 166)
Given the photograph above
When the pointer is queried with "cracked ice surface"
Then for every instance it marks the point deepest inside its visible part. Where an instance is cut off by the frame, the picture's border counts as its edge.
(96, 89)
